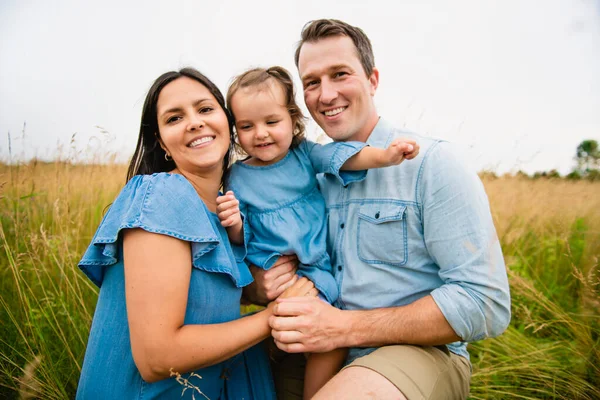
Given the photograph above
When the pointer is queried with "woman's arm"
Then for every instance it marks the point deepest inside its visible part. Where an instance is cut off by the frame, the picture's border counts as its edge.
(157, 277)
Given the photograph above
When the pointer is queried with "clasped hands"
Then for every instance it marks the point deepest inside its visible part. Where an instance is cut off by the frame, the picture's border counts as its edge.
(301, 322)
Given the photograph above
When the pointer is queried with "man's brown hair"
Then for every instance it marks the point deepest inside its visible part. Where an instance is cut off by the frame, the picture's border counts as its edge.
(319, 29)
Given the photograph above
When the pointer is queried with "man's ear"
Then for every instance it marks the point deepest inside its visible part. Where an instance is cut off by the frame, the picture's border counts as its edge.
(374, 80)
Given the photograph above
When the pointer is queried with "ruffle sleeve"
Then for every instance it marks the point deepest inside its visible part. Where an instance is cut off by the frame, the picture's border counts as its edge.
(166, 204)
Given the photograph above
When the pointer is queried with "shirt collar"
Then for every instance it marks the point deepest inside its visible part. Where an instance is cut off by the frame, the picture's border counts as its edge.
(380, 135)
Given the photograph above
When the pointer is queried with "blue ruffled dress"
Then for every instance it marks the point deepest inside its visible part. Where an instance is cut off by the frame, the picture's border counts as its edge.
(167, 204)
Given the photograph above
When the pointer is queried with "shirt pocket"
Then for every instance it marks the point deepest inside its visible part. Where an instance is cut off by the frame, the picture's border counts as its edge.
(382, 235)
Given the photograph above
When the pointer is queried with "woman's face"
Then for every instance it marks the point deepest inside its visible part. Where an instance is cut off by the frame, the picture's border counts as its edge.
(193, 127)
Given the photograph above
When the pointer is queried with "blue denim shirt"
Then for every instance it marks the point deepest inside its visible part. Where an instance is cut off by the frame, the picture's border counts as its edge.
(423, 227)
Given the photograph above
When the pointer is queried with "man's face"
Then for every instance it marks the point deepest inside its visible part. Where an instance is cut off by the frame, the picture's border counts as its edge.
(337, 92)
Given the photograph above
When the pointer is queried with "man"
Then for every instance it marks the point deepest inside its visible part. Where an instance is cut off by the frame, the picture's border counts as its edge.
(414, 249)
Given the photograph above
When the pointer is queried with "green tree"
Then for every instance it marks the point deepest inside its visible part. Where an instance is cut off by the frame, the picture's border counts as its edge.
(588, 156)
(574, 175)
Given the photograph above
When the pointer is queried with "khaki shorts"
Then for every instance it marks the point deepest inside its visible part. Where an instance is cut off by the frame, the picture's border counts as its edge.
(421, 372)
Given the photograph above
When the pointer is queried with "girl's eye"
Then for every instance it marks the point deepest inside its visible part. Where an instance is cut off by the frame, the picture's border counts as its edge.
(204, 110)
(173, 119)
(272, 122)
(244, 127)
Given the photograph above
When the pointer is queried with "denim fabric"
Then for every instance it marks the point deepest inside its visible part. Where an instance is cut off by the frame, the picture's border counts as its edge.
(284, 212)
(166, 204)
(423, 227)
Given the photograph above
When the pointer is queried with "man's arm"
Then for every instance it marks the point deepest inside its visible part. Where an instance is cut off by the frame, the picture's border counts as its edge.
(303, 324)
(461, 238)
(472, 303)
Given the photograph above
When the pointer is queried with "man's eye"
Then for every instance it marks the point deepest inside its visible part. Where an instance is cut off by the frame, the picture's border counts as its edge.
(311, 83)
(340, 74)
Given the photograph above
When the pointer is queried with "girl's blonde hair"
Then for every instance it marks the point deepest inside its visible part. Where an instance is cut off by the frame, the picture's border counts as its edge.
(260, 77)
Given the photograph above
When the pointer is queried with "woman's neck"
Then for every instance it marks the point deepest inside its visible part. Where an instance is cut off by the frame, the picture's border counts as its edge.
(207, 186)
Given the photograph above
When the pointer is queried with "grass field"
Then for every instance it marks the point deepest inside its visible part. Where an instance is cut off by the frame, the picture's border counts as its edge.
(549, 230)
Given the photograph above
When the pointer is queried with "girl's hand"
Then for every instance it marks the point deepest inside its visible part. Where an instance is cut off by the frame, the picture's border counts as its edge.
(399, 150)
(228, 210)
(409, 153)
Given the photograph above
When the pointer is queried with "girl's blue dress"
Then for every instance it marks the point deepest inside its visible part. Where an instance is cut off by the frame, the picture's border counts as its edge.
(167, 204)
(284, 212)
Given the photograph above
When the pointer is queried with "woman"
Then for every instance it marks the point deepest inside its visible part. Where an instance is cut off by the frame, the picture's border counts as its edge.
(170, 286)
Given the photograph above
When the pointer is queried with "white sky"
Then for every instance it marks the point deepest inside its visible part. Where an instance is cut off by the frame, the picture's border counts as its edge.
(517, 81)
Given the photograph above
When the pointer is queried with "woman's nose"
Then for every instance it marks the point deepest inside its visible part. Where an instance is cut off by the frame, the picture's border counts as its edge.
(196, 122)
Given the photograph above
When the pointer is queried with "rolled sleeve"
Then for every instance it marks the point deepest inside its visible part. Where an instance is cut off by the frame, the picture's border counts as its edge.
(329, 158)
(461, 239)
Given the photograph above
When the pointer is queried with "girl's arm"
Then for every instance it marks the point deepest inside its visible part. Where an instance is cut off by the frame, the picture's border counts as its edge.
(157, 277)
(228, 211)
(372, 157)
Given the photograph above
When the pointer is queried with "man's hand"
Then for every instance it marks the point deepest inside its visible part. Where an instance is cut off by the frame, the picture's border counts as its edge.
(268, 285)
(307, 324)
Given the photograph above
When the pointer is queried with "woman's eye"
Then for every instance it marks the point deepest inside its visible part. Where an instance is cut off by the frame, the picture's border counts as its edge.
(173, 119)
(204, 110)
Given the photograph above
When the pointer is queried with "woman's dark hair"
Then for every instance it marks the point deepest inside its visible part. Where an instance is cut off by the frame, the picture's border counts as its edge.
(149, 157)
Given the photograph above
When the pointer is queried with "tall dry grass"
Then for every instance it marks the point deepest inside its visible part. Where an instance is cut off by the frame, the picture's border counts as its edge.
(549, 230)
(550, 236)
(48, 215)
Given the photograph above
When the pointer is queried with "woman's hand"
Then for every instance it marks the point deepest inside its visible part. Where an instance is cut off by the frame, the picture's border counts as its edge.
(302, 287)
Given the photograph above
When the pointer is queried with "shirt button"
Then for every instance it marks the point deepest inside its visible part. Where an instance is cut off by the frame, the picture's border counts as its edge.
(377, 215)
(342, 226)
(339, 267)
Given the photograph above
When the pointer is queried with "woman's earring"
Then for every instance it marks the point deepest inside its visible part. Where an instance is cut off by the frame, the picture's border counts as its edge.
(168, 157)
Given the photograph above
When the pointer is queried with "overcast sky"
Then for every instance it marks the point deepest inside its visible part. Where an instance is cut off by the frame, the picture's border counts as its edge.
(515, 82)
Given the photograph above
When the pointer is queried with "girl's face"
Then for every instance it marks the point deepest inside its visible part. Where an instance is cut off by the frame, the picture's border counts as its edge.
(263, 123)
(193, 127)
